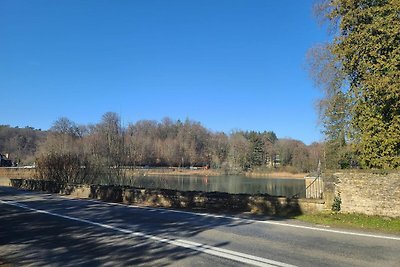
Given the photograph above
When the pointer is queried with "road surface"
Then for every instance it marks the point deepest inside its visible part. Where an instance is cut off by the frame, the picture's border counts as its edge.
(43, 229)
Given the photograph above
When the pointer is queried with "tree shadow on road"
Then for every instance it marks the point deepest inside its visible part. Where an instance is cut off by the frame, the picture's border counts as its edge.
(31, 238)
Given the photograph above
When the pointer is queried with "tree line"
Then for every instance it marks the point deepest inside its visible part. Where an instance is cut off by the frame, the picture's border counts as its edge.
(167, 143)
(20, 143)
(358, 72)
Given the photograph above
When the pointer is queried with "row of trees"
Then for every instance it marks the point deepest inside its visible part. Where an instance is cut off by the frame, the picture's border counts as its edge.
(177, 143)
(20, 143)
(359, 72)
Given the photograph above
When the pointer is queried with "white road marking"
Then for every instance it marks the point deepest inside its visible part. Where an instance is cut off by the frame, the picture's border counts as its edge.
(203, 248)
(387, 237)
(248, 220)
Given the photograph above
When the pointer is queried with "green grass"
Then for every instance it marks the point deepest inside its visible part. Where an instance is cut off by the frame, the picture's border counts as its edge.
(354, 221)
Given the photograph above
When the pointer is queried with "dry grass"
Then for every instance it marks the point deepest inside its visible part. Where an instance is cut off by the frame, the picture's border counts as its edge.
(276, 175)
(209, 172)
(17, 173)
(30, 173)
(171, 171)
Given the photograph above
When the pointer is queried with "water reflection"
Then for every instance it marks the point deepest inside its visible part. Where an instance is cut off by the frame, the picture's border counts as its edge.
(229, 184)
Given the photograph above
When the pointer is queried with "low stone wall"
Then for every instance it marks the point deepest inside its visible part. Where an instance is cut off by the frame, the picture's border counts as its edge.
(37, 185)
(365, 192)
(194, 200)
(5, 181)
(17, 172)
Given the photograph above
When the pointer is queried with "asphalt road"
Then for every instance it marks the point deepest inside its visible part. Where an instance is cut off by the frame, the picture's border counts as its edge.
(42, 229)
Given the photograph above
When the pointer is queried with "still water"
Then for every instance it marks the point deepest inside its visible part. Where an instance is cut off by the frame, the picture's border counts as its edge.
(229, 184)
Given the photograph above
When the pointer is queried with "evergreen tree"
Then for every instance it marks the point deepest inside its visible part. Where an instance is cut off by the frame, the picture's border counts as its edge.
(366, 51)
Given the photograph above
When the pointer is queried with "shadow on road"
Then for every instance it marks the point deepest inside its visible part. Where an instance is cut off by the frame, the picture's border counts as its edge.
(29, 238)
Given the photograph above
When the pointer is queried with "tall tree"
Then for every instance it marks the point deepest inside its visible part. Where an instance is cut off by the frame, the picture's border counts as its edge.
(257, 153)
(239, 151)
(366, 51)
(111, 136)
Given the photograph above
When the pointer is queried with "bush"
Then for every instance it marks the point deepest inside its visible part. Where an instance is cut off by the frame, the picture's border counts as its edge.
(65, 168)
(76, 169)
(337, 201)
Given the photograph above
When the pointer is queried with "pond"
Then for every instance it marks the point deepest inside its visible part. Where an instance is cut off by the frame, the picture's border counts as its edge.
(229, 184)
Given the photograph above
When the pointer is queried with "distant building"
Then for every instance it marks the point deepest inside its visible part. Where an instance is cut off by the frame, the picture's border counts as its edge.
(4, 161)
(273, 161)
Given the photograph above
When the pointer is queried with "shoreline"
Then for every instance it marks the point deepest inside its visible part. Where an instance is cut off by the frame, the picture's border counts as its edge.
(30, 173)
(282, 175)
(210, 172)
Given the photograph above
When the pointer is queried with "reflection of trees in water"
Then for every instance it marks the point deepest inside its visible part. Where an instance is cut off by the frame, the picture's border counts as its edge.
(229, 184)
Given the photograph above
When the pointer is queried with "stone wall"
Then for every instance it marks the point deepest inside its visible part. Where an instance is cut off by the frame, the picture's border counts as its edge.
(360, 191)
(193, 200)
(5, 181)
(16, 172)
(365, 192)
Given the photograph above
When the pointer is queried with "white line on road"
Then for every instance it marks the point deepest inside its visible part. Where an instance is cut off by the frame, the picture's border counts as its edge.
(360, 234)
(249, 220)
(297, 226)
(203, 248)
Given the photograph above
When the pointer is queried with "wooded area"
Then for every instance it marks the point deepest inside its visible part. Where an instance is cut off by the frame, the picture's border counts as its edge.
(20, 143)
(165, 143)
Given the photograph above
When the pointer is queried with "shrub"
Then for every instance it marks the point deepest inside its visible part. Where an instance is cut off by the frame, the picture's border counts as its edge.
(337, 201)
(65, 168)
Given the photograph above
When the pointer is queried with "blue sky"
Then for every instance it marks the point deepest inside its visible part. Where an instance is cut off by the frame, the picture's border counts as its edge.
(230, 64)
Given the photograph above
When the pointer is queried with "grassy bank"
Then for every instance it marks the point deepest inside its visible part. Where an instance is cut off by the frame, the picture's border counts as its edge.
(354, 221)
